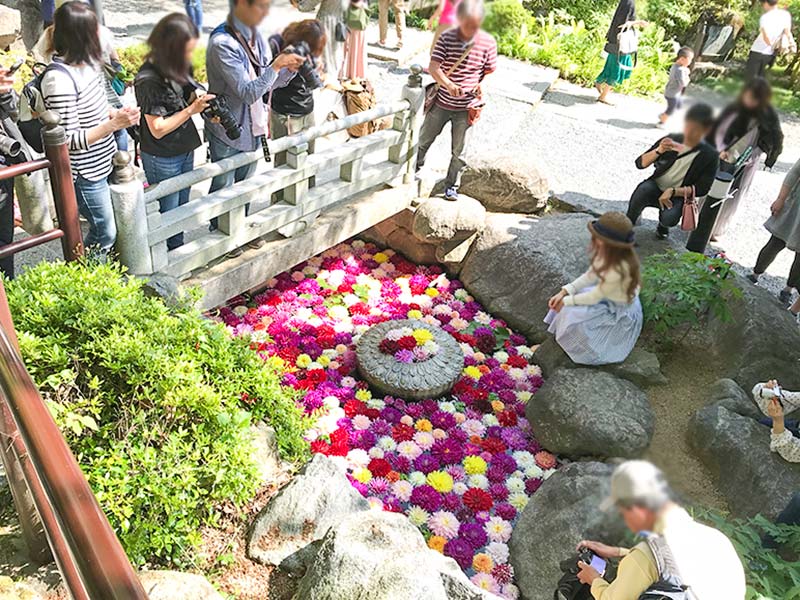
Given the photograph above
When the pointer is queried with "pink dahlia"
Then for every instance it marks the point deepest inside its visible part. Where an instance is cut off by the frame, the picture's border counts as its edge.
(444, 524)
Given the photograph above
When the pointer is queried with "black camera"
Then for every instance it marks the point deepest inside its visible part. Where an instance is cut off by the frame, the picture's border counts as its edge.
(308, 69)
(10, 148)
(218, 109)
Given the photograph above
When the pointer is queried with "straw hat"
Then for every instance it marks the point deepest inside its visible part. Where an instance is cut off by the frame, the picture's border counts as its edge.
(614, 228)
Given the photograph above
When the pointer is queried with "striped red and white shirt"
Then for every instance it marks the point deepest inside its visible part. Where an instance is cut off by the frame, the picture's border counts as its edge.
(481, 60)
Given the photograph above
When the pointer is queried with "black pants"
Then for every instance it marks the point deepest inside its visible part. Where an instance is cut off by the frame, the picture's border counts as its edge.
(647, 194)
(7, 223)
(789, 516)
(768, 254)
(756, 66)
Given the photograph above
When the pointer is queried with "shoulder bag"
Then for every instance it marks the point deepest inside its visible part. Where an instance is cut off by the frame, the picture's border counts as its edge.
(690, 210)
(785, 44)
(356, 18)
(432, 89)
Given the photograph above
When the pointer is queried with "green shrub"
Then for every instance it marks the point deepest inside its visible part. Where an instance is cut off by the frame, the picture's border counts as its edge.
(132, 58)
(506, 18)
(677, 17)
(768, 574)
(680, 290)
(154, 401)
(595, 13)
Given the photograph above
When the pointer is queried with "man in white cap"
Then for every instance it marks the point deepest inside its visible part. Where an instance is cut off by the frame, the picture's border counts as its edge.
(703, 559)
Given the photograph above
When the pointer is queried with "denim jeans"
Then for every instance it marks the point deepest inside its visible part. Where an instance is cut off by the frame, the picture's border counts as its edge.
(219, 150)
(121, 138)
(159, 168)
(647, 194)
(94, 204)
(194, 9)
(432, 126)
(7, 224)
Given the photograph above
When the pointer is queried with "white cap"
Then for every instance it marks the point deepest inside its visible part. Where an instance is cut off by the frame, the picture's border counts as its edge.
(636, 481)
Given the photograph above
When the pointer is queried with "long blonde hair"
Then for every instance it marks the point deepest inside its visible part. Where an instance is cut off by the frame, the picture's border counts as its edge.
(624, 260)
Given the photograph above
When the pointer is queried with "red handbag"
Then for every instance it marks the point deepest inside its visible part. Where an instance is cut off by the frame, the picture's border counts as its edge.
(690, 210)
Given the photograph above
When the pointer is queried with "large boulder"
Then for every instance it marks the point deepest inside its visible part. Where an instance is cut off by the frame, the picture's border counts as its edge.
(382, 556)
(439, 220)
(735, 447)
(174, 585)
(641, 367)
(564, 511)
(15, 590)
(10, 26)
(511, 184)
(760, 342)
(519, 262)
(585, 412)
(318, 498)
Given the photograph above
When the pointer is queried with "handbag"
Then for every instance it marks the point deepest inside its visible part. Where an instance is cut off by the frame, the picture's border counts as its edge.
(432, 89)
(628, 40)
(340, 32)
(785, 44)
(690, 210)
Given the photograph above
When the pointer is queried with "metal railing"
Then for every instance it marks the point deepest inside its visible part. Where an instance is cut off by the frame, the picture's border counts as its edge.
(59, 515)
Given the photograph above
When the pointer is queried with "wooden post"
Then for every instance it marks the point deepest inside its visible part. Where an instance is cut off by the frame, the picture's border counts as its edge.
(55, 148)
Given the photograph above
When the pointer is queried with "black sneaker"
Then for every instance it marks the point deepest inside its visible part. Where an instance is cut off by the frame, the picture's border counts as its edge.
(662, 233)
(753, 278)
(785, 296)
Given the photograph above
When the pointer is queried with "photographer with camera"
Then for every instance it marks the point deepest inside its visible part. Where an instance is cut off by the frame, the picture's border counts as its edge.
(293, 105)
(241, 70)
(11, 152)
(168, 100)
(73, 87)
(680, 559)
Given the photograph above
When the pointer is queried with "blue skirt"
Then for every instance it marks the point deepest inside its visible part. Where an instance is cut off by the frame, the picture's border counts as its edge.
(599, 334)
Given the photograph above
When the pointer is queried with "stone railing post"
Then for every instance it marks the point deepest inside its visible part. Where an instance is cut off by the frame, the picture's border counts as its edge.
(406, 151)
(127, 199)
(296, 159)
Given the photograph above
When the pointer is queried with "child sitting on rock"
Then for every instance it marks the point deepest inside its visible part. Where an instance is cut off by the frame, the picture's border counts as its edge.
(775, 402)
(597, 318)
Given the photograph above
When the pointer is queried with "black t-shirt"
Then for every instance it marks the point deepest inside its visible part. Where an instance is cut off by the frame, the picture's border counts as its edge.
(162, 98)
(296, 99)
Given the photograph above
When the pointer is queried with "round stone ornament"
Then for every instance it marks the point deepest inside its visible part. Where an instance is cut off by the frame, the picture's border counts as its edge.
(430, 378)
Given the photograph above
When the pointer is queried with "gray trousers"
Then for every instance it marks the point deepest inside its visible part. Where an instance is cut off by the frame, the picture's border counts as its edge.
(434, 122)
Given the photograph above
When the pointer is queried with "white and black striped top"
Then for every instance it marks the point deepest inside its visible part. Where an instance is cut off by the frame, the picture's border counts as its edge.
(81, 112)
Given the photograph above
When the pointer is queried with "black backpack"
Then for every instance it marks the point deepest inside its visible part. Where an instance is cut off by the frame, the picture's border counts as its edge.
(31, 129)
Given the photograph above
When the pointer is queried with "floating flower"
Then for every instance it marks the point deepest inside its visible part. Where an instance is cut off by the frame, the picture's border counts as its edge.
(437, 542)
(483, 563)
(417, 516)
(474, 465)
(498, 551)
(498, 530)
(440, 481)
(485, 582)
(444, 524)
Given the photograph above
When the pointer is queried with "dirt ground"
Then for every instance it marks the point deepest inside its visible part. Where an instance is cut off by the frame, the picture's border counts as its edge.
(674, 405)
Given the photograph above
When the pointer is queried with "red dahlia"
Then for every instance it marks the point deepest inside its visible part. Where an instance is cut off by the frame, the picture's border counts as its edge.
(407, 342)
(507, 418)
(477, 500)
(493, 445)
(379, 467)
(339, 437)
(388, 346)
(402, 432)
(353, 408)
(517, 361)
(320, 447)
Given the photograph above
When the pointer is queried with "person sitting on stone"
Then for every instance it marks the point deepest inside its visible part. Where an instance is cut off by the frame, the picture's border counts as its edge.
(684, 163)
(597, 318)
(690, 553)
(776, 403)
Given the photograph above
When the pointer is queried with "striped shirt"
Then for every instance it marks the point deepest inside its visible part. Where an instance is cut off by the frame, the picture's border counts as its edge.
(81, 112)
(481, 60)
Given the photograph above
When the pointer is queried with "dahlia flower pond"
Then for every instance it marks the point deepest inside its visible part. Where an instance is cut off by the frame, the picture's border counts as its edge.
(461, 468)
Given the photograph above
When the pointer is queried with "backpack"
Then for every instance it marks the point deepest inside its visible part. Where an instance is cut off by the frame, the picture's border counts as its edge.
(358, 97)
(32, 103)
(669, 585)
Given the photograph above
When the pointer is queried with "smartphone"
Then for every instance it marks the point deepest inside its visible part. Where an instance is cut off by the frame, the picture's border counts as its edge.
(599, 565)
(15, 67)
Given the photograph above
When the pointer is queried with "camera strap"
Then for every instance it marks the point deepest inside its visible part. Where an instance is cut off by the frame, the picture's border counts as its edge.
(248, 49)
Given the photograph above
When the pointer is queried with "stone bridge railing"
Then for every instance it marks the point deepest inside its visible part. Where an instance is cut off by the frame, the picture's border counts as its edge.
(340, 172)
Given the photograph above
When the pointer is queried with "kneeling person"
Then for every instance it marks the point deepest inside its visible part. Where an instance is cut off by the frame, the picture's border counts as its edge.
(682, 162)
(689, 553)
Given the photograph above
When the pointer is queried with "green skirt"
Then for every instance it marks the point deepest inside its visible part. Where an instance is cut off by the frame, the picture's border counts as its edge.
(616, 70)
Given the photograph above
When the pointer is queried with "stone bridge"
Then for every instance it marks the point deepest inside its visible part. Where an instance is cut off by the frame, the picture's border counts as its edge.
(328, 196)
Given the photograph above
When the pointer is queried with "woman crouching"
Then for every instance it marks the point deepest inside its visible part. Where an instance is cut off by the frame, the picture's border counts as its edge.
(597, 318)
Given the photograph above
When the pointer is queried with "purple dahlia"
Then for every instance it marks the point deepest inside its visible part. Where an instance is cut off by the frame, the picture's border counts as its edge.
(426, 498)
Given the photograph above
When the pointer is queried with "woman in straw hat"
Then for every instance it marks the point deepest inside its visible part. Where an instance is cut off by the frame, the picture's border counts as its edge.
(597, 318)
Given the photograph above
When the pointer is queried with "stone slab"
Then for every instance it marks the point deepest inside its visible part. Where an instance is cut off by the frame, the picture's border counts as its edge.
(254, 267)
(521, 81)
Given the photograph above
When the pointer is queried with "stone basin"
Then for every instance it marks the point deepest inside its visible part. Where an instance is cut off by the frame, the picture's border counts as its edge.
(432, 378)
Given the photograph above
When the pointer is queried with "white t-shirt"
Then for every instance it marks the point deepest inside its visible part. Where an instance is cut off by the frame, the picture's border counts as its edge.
(773, 22)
